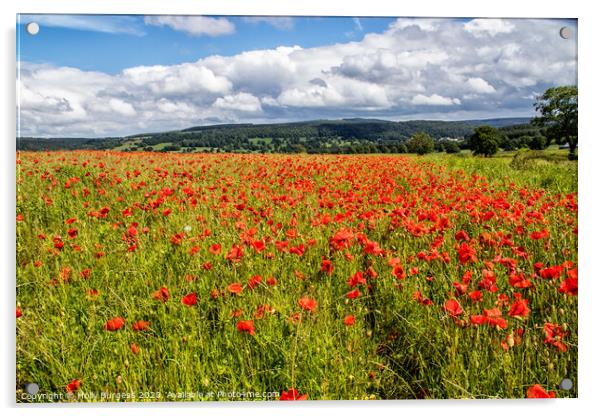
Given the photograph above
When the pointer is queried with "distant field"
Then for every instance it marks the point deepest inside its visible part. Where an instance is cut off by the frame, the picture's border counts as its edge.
(341, 276)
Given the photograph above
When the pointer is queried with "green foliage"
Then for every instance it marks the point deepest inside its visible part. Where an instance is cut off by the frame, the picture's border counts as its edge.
(558, 108)
(537, 142)
(485, 141)
(421, 143)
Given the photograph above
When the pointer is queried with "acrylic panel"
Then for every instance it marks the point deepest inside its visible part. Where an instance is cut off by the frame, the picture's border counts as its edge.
(295, 208)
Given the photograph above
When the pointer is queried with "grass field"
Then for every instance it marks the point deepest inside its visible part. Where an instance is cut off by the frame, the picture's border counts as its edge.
(145, 276)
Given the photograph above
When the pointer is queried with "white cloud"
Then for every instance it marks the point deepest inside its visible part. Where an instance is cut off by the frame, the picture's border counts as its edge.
(194, 25)
(240, 102)
(280, 22)
(121, 107)
(415, 67)
(480, 85)
(481, 27)
(434, 99)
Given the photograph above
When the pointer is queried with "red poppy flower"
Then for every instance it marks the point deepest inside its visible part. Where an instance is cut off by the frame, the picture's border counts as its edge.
(271, 281)
(292, 394)
(326, 267)
(258, 245)
(519, 308)
(357, 279)
(538, 235)
(114, 324)
(569, 285)
(189, 300)
(538, 392)
(73, 386)
(161, 295)
(453, 307)
(308, 304)
(246, 326)
(235, 288)
(399, 272)
(349, 320)
(553, 272)
(355, 293)
(476, 296)
(254, 281)
(141, 326)
(19, 312)
(215, 249)
(554, 335)
(466, 253)
(235, 254)
(135, 348)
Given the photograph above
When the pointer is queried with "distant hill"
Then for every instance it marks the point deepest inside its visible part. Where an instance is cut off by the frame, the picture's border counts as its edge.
(499, 122)
(350, 135)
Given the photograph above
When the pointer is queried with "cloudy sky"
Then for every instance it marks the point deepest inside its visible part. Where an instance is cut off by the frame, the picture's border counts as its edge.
(97, 76)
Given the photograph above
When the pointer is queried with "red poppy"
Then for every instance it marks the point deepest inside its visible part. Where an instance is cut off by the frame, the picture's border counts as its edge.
(235, 254)
(554, 335)
(553, 272)
(292, 394)
(258, 245)
(476, 296)
(246, 326)
(215, 249)
(519, 308)
(349, 320)
(85, 274)
(355, 293)
(135, 348)
(189, 300)
(399, 272)
(114, 324)
(161, 295)
(254, 281)
(308, 304)
(466, 253)
(19, 312)
(538, 235)
(453, 307)
(73, 386)
(357, 279)
(271, 281)
(141, 326)
(327, 266)
(538, 392)
(235, 288)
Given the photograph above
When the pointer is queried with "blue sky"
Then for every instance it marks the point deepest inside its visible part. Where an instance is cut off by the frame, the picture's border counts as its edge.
(125, 41)
(86, 75)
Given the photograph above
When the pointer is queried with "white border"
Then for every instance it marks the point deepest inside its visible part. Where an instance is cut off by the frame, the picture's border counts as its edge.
(590, 340)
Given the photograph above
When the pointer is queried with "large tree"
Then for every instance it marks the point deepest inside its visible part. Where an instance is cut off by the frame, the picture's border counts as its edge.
(558, 115)
(421, 143)
(484, 141)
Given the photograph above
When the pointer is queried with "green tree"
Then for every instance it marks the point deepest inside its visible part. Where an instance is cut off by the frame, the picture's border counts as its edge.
(537, 142)
(485, 141)
(452, 147)
(421, 143)
(558, 115)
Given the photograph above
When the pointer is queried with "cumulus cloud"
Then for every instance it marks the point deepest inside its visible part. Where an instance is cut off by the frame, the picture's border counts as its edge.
(434, 99)
(492, 27)
(416, 68)
(194, 25)
(240, 102)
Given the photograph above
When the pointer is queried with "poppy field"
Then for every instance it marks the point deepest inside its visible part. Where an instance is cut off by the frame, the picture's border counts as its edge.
(167, 277)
